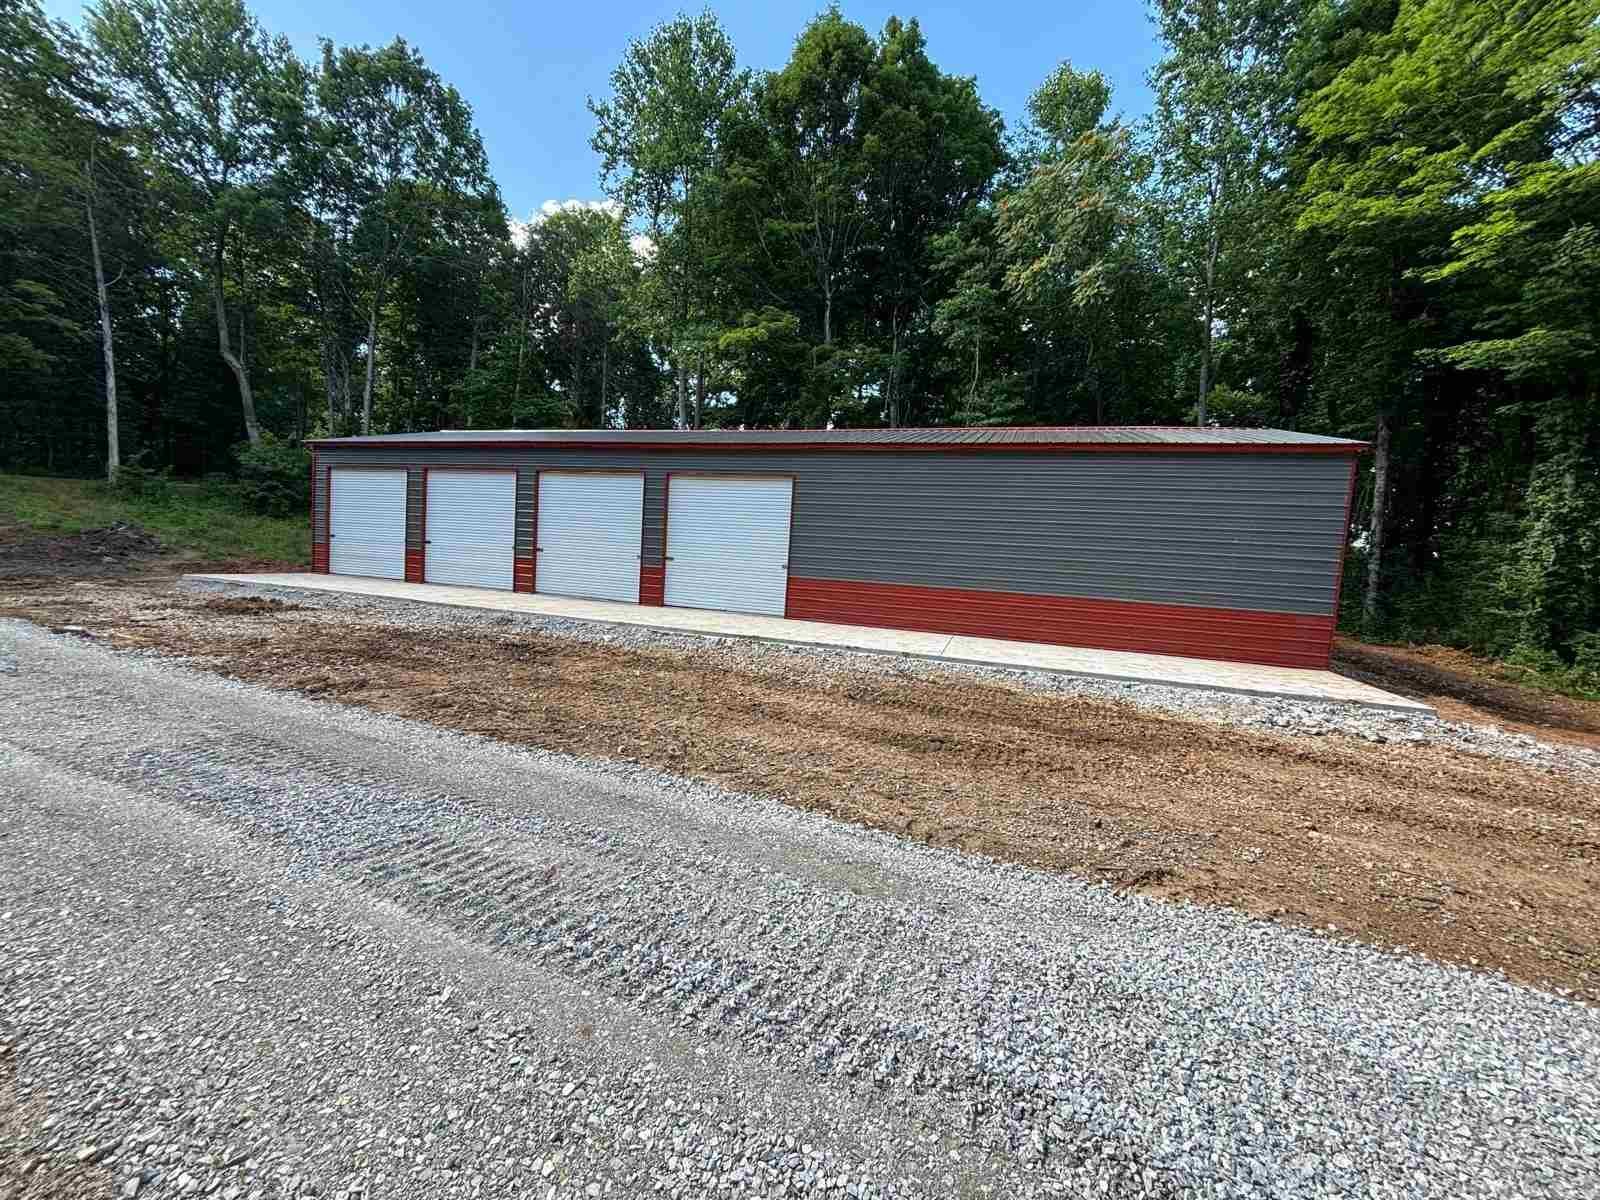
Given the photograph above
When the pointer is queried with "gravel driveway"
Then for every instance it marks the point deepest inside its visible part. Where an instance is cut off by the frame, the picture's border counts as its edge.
(254, 944)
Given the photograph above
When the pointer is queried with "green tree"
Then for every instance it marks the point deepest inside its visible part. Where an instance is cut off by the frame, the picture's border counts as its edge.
(1221, 110)
(1424, 195)
(659, 137)
(931, 149)
(1069, 234)
(210, 93)
(61, 145)
(414, 157)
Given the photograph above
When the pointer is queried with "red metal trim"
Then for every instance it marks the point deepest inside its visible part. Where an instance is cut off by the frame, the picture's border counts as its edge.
(653, 584)
(1342, 552)
(905, 447)
(525, 570)
(1191, 631)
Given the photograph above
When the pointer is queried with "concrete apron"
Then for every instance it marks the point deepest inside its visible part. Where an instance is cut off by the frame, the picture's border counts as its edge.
(1250, 679)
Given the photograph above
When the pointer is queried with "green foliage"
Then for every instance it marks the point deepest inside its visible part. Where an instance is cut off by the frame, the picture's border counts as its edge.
(1551, 585)
(184, 519)
(138, 480)
(274, 477)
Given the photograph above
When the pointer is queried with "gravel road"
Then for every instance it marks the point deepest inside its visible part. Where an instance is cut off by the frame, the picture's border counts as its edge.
(251, 944)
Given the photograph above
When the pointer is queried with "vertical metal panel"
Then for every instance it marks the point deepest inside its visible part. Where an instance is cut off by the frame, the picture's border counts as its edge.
(470, 527)
(589, 530)
(367, 523)
(728, 543)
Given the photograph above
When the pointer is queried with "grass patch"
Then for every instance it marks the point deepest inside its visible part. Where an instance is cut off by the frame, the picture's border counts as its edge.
(202, 520)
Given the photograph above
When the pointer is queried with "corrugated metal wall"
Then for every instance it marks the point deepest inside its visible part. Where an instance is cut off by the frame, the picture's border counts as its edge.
(1260, 532)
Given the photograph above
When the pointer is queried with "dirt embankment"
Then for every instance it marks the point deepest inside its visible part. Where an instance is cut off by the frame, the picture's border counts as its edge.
(1464, 688)
(93, 554)
(1465, 858)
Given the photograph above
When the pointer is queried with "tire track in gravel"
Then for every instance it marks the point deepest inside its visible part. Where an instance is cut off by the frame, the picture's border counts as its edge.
(56, 1004)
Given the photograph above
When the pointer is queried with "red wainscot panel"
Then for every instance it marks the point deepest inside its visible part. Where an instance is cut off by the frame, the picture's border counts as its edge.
(1279, 639)
(653, 584)
(522, 573)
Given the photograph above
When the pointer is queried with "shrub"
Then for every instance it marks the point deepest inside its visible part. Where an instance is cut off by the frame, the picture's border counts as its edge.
(137, 480)
(274, 477)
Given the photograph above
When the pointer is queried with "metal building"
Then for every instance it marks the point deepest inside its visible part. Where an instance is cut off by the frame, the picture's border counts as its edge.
(1214, 543)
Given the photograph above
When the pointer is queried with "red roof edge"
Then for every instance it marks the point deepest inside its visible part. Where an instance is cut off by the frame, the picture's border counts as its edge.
(1325, 448)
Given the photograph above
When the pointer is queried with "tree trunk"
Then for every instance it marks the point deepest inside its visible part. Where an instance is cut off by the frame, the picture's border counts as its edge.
(576, 384)
(827, 313)
(236, 364)
(1380, 507)
(605, 380)
(894, 369)
(372, 359)
(344, 389)
(472, 356)
(699, 394)
(330, 379)
(1209, 314)
(972, 392)
(107, 348)
(1213, 248)
(682, 385)
(522, 346)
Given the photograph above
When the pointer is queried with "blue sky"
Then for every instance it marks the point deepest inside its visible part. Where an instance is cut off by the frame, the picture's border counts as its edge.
(527, 68)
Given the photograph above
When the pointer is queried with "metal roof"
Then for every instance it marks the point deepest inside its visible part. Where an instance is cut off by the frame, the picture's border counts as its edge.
(1074, 437)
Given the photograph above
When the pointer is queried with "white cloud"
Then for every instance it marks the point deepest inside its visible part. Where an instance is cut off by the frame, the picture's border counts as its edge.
(644, 246)
(519, 229)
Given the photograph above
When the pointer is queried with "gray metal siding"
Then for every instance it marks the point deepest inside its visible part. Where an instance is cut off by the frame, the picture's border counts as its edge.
(1250, 531)
(416, 509)
(527, 507)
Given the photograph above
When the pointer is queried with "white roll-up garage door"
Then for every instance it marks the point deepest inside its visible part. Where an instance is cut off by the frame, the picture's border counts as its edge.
(471, 528)
(590, 529)
(367, 523)
(728, 543)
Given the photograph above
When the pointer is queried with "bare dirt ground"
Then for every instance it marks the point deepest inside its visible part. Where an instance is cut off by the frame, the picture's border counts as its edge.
(92, 554)
(27, 1176)
(118, 551)
(1465, 688)
(1467, 859)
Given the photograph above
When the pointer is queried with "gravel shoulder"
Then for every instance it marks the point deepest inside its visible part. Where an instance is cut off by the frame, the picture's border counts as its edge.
(251, 943)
